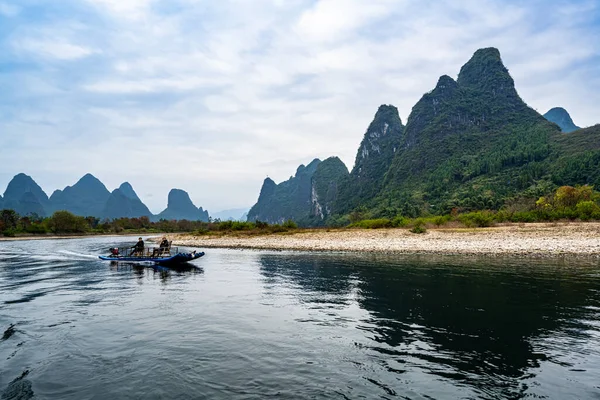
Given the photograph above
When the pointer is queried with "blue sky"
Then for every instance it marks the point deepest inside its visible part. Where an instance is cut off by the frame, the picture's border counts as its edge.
(213, 96)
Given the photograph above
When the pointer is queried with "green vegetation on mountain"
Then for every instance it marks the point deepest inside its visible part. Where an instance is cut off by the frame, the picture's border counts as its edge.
(374, 157)
(470, 144)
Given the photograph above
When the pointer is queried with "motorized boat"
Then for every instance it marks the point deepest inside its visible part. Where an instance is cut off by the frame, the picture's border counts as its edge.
(162, 256)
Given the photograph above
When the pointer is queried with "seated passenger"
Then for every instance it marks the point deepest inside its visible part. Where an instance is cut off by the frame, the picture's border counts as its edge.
(138, 249)
(163, 247)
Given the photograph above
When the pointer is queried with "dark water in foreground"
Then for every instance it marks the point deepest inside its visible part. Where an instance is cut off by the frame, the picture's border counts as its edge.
(253, 325)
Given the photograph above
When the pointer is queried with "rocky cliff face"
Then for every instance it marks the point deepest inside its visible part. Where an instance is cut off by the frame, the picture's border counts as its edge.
(180, 206)
(288, 200)
(325, 186)
(561, 117)
(380, 143)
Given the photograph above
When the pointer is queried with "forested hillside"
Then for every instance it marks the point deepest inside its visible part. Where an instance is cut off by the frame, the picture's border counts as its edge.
(469, 144)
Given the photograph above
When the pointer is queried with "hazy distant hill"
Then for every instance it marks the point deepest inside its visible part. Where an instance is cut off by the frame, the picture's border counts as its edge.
(124, 202)
(89, 197)
(561, 117)
(180, 206)
(234, 214)
(25, 196)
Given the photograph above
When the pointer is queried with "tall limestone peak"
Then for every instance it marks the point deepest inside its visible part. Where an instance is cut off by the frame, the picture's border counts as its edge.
(445, 86)
(561, 117)
(180, 206)
(87, 197)
(461, 131)
(486, 72)
(120, 205)
(267, 189)
(21, 184)
(128, 191)
(25, 196)
(380, 142)
(1, 203)
(92, 185)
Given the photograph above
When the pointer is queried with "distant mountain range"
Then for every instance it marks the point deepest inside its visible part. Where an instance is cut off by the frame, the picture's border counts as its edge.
(234, 214)
(89, 197)
(469, 144)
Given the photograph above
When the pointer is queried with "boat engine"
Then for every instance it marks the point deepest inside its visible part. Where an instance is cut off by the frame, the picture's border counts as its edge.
(114, 251)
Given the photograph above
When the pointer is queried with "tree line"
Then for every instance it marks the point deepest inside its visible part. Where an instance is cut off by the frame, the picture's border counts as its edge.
(64, 222)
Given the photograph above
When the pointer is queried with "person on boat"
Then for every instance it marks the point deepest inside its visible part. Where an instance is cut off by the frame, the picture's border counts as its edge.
(138, 249)
(164, 244)
(162, 247)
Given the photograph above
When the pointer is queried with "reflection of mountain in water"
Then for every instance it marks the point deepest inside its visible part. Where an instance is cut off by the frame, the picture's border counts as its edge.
(480, 324)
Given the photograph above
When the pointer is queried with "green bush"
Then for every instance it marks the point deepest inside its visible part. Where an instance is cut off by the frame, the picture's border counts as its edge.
(36, 229)
(419, 226)
(66, 222)
(242, 226)
(289, 224)
(10, 232)
(524, 216)
(441, 220)
(373, 223)
(400, 222)
(478, 218)
(586, 210)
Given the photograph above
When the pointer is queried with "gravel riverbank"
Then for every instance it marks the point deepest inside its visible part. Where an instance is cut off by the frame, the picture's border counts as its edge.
(529, 240)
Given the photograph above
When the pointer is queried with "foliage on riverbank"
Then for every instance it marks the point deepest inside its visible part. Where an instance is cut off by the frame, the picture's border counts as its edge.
(567, 203)
(246, 228)
(64, 222)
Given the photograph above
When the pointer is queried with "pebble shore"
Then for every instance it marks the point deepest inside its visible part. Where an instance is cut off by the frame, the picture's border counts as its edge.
(527, 240)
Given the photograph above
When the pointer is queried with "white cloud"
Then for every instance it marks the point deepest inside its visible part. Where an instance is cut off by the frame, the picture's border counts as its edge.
(53, 49)
(330, 20)
(131, 9)
(230, 86)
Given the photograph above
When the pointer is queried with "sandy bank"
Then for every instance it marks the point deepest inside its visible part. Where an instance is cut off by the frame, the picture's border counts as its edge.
(529, 240)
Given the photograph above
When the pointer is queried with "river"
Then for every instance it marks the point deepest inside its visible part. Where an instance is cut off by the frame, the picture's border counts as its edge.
(254, 325)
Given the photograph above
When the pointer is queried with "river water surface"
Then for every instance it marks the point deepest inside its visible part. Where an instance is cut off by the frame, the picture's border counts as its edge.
(254, 325)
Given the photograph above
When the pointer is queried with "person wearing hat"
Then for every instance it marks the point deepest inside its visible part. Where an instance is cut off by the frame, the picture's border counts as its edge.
(138, 249)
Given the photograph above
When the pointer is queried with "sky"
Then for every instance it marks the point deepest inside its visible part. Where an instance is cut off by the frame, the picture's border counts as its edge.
(214, 96)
